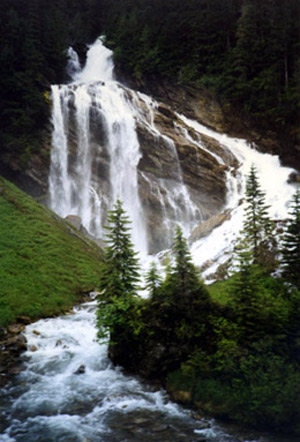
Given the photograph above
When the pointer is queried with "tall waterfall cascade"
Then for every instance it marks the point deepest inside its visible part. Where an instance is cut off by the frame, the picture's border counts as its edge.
(111, 142)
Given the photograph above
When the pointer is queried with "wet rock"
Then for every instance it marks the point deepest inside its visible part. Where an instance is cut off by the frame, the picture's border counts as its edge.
(294, 177)
(141, 421)
(206, 227)
(16, 343)
(58, 343)
(36, 332)
(159, 428)
(33, 348)
(24, 320)
(15, 328)
(80, 370)
(166, 111)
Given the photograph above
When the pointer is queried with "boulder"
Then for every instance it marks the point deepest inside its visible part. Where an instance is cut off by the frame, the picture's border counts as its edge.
(24, 320)
(80, 369)
(15, 329)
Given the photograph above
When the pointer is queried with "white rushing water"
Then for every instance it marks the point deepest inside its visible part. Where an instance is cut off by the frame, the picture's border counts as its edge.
(74, 188)
(273, 178)
(69, 391)
(96, 152)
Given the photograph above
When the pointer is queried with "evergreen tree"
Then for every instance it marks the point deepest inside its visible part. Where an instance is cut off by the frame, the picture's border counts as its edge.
(257, 230)
(120, 274)
(291, 244)
(184, 294)
(248, 300)
(153, 281)
(184, 273)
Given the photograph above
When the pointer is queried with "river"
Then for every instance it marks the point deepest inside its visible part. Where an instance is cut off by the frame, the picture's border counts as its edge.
(68, 391)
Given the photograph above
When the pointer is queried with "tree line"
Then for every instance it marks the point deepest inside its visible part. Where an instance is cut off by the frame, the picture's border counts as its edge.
(245, 51)
(237, 358)
(34, 38)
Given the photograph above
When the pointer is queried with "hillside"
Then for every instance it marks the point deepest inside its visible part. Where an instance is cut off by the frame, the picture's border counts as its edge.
(45, 264)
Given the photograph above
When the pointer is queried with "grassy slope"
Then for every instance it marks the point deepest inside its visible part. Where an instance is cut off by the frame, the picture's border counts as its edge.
(45, 265)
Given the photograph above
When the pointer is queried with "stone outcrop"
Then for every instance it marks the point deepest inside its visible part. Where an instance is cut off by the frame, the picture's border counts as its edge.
(206, 227)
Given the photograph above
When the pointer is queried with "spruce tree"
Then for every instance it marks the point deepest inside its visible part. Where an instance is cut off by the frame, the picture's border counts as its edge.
(153, 281)
(257, 229)
(291, 244)
(182, 285)
(120, 275)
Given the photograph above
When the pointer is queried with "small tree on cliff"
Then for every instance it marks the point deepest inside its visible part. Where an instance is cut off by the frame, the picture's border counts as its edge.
(291, 244)
(119, 277)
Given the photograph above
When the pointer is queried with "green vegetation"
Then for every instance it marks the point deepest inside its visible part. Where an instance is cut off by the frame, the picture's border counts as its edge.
(258, 244)
(232, 348)
(246, 51)
(45, 264)
(34, 37)
(118, 281)
(291, 244)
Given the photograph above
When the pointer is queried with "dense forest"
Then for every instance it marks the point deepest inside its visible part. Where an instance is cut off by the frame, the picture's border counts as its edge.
(246, 52)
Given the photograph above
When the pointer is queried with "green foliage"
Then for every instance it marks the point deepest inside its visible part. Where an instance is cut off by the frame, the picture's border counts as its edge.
(34, 37)
(153, 281)
(291, 244)
(45, 265)
(247, 52)
(119, 278)
(258, 244)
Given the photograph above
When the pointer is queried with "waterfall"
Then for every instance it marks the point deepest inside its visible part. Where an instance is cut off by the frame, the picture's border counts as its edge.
(111, 142)
(89, 172)
(96, 154)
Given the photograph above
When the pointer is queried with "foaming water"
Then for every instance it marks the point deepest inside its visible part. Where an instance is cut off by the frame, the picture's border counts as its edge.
(69, 391)
(273, 177)
(88, 174)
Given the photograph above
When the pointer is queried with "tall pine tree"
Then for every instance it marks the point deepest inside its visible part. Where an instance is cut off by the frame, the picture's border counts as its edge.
(119, 276)
(291, 244)
(257, 241)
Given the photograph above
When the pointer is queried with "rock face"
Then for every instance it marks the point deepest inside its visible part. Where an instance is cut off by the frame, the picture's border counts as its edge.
(31, 174)
(176, 160)
(206, 227)
(203, 106)
(181, 175)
